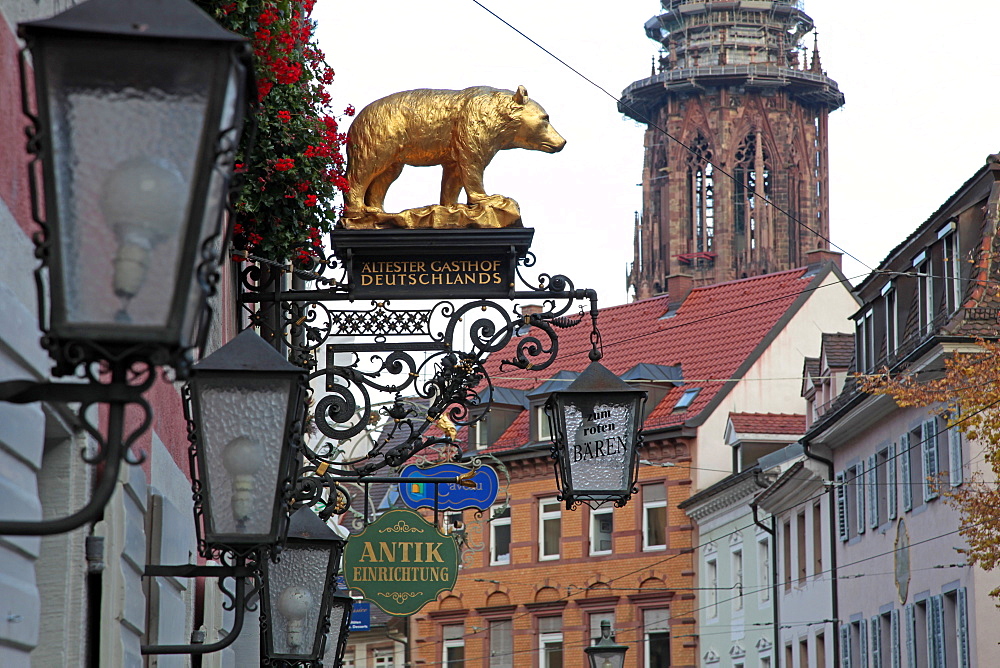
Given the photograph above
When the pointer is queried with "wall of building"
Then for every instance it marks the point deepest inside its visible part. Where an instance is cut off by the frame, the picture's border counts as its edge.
(575, 586)
(773, 382)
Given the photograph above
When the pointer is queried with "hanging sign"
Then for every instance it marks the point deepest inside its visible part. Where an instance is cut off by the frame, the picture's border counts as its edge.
(400, 562)
(481, 492)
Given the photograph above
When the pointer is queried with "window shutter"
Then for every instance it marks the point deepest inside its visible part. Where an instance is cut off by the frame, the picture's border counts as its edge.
(890, 479)
(863, 644)
(895, 658)
(842, 526)
(845, 645)
(929, 444)
(904, 471)
(859, 488)
(935, 632)
(873, 493)
(876, 642)
(962, 622)
(955, 476)
(911, 637)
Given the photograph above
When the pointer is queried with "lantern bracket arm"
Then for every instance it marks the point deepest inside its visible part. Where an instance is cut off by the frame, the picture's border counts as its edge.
(29, 391)
(112, 449)
(240, 573)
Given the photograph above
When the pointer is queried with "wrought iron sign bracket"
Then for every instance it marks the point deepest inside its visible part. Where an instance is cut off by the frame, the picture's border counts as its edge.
(239, 603)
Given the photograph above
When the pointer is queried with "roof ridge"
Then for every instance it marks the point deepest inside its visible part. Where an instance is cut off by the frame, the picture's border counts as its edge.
(752, 278)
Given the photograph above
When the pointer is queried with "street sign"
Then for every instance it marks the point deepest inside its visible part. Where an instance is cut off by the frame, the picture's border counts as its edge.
(361, 616)
(451, 496)
(400, 562)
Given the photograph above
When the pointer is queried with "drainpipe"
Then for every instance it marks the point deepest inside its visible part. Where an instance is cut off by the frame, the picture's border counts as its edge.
(771, 531)
(833, 551)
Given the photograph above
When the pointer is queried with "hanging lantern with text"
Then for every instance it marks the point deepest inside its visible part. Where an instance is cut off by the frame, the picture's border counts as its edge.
(595, 427)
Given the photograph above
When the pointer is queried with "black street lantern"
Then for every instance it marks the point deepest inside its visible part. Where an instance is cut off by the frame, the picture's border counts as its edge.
(595, 428)
(139, 106)
(301, 604)
(606, 653)
(246, 410)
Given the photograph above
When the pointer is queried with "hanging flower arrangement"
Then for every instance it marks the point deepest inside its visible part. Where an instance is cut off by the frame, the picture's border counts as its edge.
(295, 175)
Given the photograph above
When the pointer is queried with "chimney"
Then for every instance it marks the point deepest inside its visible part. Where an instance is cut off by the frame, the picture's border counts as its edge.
(531, 309)
(821, 255)
(678, 288)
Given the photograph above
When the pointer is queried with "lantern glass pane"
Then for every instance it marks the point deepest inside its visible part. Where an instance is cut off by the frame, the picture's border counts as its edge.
(600, 437)
(296, 585)
(243, 433)
(128, 123)
(607, 658)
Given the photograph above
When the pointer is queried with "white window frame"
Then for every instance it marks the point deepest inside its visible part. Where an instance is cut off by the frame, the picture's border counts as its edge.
(925, 292)
(595, 516)
(479, 435)
(952, 266)
(546, 639)
(647, 506)
(496, 522)
(891, 313)
(929, 458)
(545, 516)
(446, 645)
(542, 428)
(956, 464)
(738, 572)
(648, 634)
(764, 570)
(712, 587)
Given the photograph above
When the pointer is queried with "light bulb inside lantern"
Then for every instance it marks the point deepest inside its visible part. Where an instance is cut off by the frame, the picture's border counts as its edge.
(242, 458)
(294, 604)
(144, 201)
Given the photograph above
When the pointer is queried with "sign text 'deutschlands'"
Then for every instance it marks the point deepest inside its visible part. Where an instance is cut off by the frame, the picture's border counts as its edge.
(400, 562)
(393, 276)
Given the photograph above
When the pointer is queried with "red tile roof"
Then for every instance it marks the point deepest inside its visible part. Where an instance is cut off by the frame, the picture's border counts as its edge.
(768, 423)
(712, 334)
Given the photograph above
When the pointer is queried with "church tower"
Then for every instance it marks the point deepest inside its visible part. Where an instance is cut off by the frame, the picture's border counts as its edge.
(749, 116)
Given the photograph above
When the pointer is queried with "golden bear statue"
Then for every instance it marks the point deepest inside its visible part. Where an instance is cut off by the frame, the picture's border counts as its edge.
(461, 130)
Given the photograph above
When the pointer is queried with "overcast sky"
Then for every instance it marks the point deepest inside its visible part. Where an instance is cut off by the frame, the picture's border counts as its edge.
(920, 80)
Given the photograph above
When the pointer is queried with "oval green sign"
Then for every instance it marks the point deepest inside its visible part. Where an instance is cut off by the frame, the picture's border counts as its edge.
(401, 562)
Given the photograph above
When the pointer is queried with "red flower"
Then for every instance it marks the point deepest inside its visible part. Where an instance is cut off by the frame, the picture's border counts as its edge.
(310, 200)
(349, 111)
(284, 164)
(284, 116)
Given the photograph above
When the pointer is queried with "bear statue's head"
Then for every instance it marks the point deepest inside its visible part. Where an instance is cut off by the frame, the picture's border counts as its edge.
(534, 131)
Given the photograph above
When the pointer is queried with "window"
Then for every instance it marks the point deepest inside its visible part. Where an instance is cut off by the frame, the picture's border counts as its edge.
(752, 179)
(686, 399)
(654, 517)
(550, 641)
(800, 534)
(737, 571)
(952, 267)
(384, 658)
(865, 339)
(925, 292)
(701, 185)
(843, 524)
(817, 538)
(764, 569)
(929, 458)
(349, 655)
(656, 638)
(549, 528)
(711, 585)
(500, 536)
(857, 482)
(502, 643)
(891, 320)
(786, 553)
(596, 619)
(453, 652)
(804, 651)
(956, 475)
(479, 434)
(541, 420)
(820, 651)
(601, 530)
